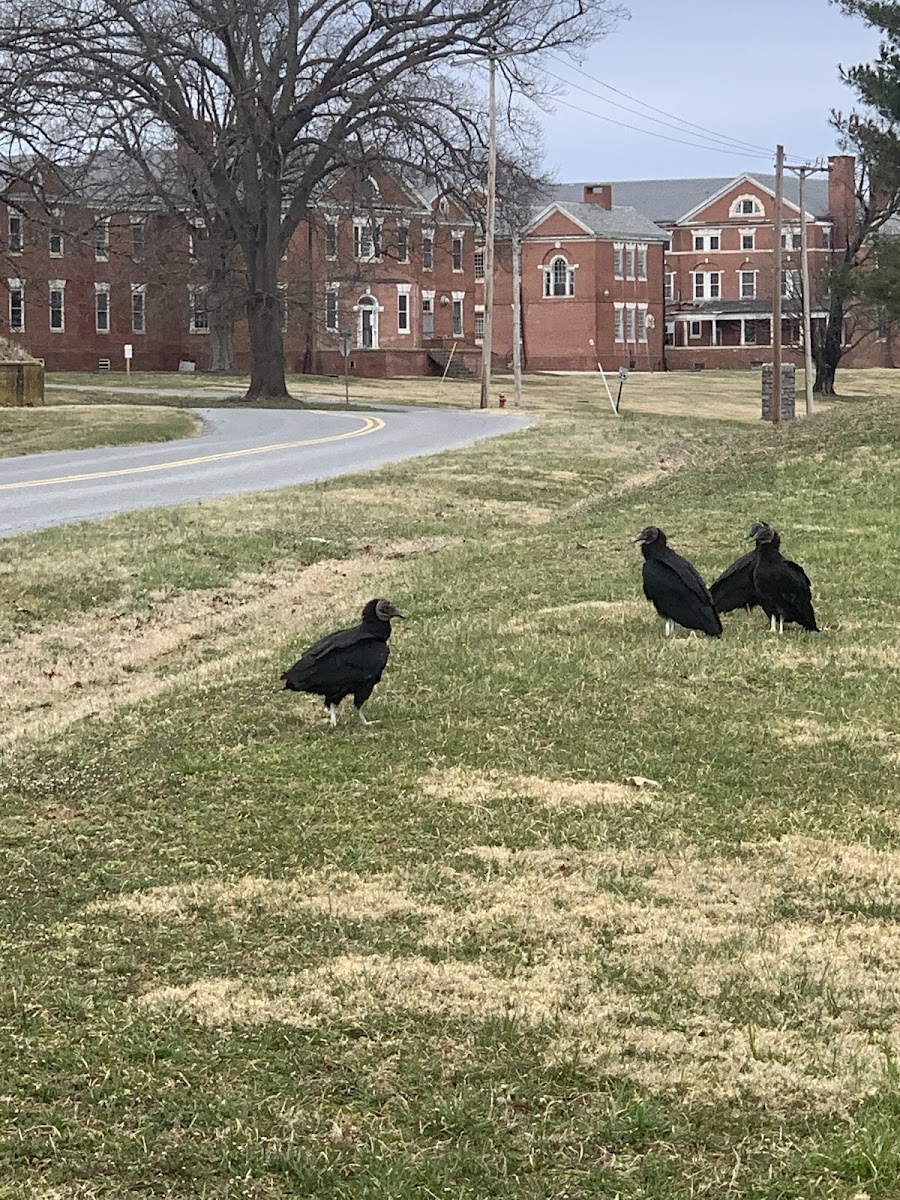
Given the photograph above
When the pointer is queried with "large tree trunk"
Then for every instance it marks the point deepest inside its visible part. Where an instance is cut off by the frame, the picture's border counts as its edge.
(828, 348)
(267, 381)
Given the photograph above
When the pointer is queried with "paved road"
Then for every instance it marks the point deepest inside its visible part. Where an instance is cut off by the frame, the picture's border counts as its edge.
(253, 451)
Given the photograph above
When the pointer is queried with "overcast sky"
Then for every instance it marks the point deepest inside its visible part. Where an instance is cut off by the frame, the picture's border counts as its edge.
(759, 73)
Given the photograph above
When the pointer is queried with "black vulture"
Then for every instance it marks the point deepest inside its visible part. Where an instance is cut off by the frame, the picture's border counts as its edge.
(735, 588)
(783, 587)
(346, 662)
(674, 587)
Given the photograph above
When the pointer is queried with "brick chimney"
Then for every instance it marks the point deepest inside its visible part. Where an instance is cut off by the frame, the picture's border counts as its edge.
(842, 196)
(598, 193)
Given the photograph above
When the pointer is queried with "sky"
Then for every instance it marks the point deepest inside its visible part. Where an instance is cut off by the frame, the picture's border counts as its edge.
(759, 73)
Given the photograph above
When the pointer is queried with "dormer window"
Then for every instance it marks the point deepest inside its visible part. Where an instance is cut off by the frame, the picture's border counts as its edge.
(559, 278)
(747, 206)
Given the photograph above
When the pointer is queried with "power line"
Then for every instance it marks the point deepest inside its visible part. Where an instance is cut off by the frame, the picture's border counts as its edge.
(664, 136)
(738, 142)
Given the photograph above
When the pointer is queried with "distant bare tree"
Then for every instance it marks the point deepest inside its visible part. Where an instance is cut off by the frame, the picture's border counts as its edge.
(263, 98)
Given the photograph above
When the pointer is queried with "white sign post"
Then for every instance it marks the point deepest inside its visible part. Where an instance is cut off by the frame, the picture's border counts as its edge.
(129, 354)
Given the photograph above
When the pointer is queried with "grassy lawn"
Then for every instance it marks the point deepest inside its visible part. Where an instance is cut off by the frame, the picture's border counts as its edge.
(460, 954)
(79, 427)
(719, 395)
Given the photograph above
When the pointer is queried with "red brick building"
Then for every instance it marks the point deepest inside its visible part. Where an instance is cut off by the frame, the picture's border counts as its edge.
(648, 274)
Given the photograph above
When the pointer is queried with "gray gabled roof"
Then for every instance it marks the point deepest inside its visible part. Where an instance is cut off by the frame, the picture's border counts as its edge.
(665, 201)
(619, 221)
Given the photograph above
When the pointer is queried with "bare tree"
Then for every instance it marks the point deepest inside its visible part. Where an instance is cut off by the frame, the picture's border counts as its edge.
(263, 97)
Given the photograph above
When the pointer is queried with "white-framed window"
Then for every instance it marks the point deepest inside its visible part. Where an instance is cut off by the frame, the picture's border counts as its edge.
(138, 238)
(139, 308)
(101, 307)
(55, 240)
(479, 324)
(641, 314)
(283, 305)
(642, 262)
(630, 322)
(618, 260)
(16, 240)
(747, 206)
(748, 285)
(101, 240)
(403, 314)
(458, 326)
(331, 238)
(427, 249)
(748, 239)
(827, 237)
(16, 305)
(331, 307)
(428, 314)
(695, 329)
(199, 310)
(402, 242)
(669, 285)
(790, 238)
(479, 263)
(57, 305)
(559, 278)
(366, 240)
(443, 206)
(619, 319)
(456, 250)
(629, 261)
(707, 285)
(710, 240)
(790, 285)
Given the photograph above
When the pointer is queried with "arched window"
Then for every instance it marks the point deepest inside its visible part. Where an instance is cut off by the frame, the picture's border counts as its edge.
(747, 206)
(559, 278)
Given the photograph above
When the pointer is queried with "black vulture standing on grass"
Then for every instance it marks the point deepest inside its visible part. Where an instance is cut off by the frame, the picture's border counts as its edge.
(783, 587)
(347, 662)
(735, 587)
(674, 587)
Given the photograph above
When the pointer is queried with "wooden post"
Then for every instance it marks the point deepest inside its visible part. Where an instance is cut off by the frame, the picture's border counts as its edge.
(776, 293)
(517, 316)
(807, 319)
(487, 336)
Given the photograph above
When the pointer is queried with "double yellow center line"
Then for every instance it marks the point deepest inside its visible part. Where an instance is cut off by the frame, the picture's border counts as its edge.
(369, 425)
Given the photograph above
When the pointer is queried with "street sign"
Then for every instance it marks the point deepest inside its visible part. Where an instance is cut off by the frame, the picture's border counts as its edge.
(345, 333)
(623, 374)
(129, 350)
(345, 347)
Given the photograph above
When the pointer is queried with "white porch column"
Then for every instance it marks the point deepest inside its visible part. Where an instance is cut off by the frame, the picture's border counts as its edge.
(743, 331)
(715, 329)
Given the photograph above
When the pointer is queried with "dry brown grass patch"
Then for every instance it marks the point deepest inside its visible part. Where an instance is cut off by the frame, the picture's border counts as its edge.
(676, 969)
(483, 788)
(340, 895)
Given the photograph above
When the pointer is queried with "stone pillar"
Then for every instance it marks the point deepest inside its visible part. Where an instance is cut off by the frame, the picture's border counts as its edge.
(788, 391)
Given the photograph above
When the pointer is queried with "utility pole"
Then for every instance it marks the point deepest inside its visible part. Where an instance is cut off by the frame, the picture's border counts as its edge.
(487, 336)
(517, 316)
(804, 277)
(776, 291)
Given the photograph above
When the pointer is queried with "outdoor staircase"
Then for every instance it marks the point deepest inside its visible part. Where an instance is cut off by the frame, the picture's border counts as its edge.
(457, 369)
